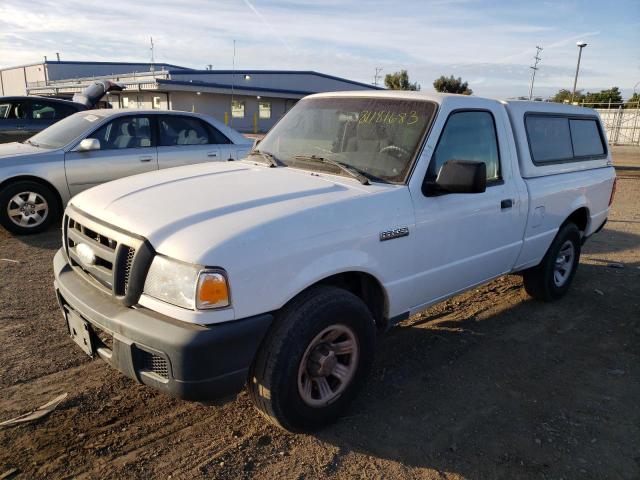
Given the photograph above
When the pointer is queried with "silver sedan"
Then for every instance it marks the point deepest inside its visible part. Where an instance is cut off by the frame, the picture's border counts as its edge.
(40, 175)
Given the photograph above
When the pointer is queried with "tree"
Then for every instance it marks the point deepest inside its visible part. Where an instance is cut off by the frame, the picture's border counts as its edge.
(564, 96)
(604, 98)
(400, 81)
(634, 101)
(451, 85)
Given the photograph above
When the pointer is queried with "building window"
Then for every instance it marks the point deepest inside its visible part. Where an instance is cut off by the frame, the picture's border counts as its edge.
(264, 109)
(237, 109)
(156, 103)
(125, 102)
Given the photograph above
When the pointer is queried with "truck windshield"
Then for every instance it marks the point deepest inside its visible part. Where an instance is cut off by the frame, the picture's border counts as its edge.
(378, 137)
(61, 133)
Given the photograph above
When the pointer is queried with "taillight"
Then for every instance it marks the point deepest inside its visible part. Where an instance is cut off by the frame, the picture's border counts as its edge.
(613, 190)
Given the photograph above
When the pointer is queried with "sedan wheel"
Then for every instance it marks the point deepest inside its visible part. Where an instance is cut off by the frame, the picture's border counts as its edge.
(28, 209)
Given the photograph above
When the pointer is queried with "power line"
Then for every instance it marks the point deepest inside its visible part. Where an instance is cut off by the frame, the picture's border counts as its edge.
(534, 68)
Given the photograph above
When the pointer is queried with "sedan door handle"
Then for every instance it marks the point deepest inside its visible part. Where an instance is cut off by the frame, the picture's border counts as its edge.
(504, 204)
(146, 158)
(212, 154)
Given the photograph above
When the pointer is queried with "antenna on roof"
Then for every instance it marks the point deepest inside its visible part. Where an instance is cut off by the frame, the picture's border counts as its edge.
(534, 68)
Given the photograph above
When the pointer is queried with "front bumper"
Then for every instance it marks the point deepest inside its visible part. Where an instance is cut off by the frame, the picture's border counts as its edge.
(184, 360)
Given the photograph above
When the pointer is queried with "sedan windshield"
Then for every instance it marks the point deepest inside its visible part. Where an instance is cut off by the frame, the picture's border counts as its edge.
(377, 137)
(61, 133)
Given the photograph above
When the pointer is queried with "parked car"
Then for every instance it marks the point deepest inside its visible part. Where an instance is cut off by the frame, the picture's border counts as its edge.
(39, 175)
(23, 117)
(356, 211)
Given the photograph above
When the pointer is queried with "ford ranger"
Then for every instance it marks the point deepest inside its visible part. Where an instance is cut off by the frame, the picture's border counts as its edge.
(355, 211)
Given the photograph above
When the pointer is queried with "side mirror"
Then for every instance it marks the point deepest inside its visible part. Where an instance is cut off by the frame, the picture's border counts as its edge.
(459, 176)
(256, 142)
(88, 144)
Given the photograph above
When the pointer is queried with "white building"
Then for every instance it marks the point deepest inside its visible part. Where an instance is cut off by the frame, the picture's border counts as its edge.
(247, 100)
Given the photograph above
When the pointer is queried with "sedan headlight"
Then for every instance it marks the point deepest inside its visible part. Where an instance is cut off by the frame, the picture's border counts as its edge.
(186, 285)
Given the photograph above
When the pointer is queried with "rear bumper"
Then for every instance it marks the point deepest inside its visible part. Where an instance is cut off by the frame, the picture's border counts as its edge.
(184, 360)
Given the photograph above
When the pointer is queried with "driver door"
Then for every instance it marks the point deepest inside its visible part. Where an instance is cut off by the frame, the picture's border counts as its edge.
(464, 239)
(127, 147)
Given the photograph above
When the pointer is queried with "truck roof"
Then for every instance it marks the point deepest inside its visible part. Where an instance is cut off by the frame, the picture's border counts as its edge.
(515, 106)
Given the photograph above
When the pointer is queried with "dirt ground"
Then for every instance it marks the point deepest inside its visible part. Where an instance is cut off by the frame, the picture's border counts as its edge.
(489, 384)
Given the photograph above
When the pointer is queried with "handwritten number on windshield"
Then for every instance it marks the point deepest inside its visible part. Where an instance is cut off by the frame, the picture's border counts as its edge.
(389, 117)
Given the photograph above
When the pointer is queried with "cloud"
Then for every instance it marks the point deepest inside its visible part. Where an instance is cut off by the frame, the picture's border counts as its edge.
(488, 41)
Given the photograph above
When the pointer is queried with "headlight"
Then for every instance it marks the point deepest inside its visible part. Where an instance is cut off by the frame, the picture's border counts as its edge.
(186, 285)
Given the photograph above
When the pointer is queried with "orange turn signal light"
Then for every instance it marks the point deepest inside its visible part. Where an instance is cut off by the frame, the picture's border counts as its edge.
(213, 291)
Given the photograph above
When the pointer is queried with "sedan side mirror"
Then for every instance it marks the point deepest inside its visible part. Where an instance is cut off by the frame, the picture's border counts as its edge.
(459, 176)
(88, 144)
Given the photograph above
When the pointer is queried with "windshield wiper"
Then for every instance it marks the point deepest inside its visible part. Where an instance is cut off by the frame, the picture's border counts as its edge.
(353, 171)
(269, 157)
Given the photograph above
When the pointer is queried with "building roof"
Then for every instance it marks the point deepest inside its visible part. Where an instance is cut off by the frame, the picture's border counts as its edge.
(177, 68)
(276, 72)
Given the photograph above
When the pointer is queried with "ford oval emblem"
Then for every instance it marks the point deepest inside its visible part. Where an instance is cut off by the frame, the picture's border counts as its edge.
(86, 254)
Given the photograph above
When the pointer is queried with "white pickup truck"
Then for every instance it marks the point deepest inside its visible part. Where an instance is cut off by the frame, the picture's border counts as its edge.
(357, 210)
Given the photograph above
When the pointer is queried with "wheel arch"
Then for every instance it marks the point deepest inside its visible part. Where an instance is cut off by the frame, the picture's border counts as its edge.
(581, 218)
(365, 286)
(33, 178)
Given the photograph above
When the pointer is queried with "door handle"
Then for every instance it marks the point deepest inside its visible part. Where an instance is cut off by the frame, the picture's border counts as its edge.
(504, 204)
(212, 154)
(146, 158)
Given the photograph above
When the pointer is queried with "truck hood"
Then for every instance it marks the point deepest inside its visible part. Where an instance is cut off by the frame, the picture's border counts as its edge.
(186, 212)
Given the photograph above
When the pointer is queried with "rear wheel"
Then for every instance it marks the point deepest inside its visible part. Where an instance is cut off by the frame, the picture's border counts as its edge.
(314, 360)
(28, 207)
(551, 279)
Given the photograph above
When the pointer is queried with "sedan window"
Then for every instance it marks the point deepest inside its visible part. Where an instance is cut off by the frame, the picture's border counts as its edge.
(177, 130)
(125, 132)
(50, 111)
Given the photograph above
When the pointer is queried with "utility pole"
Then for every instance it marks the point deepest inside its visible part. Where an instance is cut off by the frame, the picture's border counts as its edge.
(233, 79)
(376, 76)
(534, 68)
(580, 45)
(152, 67)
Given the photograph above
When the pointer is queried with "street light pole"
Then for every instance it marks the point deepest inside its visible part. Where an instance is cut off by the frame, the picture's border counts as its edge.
(580, 45)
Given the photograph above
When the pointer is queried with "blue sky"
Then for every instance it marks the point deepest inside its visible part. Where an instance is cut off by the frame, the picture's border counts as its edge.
(488, 43)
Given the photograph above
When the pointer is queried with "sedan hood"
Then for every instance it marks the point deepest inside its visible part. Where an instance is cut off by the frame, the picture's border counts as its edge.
(16, 149)
(186, 211)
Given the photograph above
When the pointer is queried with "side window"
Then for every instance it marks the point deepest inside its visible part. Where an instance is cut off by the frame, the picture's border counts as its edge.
(5, 109)
(50, 111)
(216, 136)
(549, 138)
(468, 135)
(125, 132)
(13, 110)
(176, 130)
(586, 138)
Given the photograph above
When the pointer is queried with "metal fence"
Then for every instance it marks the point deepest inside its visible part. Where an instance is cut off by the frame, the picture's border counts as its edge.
(621, 121)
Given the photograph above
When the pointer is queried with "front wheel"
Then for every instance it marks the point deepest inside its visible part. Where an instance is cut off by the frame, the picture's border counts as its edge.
(551, 279)
(28, 207)
(314, 360)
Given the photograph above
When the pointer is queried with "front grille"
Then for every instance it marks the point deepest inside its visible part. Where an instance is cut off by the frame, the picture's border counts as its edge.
(114, 260)
(127, 267)
(152, 363)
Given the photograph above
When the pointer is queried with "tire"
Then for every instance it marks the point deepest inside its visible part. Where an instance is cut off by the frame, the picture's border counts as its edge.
(286, 374)
(551, 279)
(41, 204)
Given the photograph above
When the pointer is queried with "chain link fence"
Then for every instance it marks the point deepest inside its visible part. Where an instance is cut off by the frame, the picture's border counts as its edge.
(621, 121)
